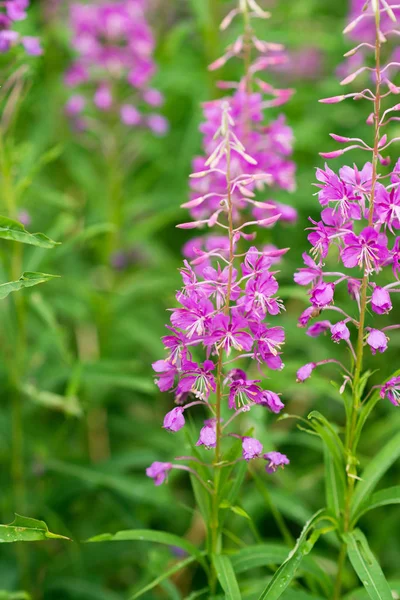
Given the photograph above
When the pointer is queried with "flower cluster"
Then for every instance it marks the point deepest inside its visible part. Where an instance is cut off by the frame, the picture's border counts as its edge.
(221, 317)
(271, 143)
(11, 12)
(114, 65)
(362, 29)
(360, 222)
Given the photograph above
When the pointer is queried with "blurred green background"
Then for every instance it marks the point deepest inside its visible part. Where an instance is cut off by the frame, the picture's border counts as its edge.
(91, 412)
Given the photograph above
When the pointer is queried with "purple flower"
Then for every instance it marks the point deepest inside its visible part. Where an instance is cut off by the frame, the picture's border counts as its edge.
(251, 447)
(275, 460)
(208, 434)
(340, 331)
(337, 193)
(229, 332)
(359, 181)
(258, 296)
(377, 341)
(305, 372)
(158, 124)
(174, 420)
(318, 328)
(194, 317)
(272, 401)
(381, 303)
(391, 391)
(310, 273)
(167, 377)
(308, 314)
(158, 471)
(130, 115)
(387, 206)
(367, 250)
(196, 379)
(75, 105)
(103, 97)
(242, 393)
(32, 45)
(322, 294)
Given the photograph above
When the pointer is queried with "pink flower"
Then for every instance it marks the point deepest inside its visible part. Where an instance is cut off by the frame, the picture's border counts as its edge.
(168, 373)
(208, 434)
(196, 379)
(340, 331)
(391, 391)
(318, 328)
(367, 250)
(381, 302)
(272, 401)
(229, 332)
(322, 294)
(252, 448)
(275, 460)
(310, 273)
(174, 420)
(305, 372)
(377, 341)
(158, 471)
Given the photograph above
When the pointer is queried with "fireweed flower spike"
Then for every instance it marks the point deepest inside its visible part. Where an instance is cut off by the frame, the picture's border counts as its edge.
(114, 49)
(11, 13)
(360, 223)
(271, 143)
(221, 319)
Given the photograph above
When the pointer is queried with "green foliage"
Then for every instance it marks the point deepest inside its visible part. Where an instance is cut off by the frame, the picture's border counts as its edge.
(26, 280)
(76, 356)
(367, 567)
(25, 529)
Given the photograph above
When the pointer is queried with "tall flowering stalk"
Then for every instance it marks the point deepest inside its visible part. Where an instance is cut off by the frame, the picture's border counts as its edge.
(272, 142)
(110, 80)
(11, 13)
(219, 324)
(228, 292)
(359, 222)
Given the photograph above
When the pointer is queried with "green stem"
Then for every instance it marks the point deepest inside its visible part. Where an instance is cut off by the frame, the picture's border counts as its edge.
(215, 533)
(351, 470)
(17, 364)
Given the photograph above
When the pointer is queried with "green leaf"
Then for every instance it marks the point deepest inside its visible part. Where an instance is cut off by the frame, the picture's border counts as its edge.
(177, 567)
(4, 595)
(25, 529)
(147, 535)
(226, 577)
(26, 280)
(367, 408)
(286, 572)
(371, 475)
(13, 230)
(334, 458)
(366, 566)
(261, 555)
(67, 404)
(382, 498)
(334, 484)
(237, 510)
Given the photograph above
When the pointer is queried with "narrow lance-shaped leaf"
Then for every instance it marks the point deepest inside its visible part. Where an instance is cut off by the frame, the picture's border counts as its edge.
(26, 280)
(382, 498)
(226, 576)
(164, 575)
(286, 572)
(148, 535)
(377, 467)
(25, 529)
(15, 231)
(366, 566)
